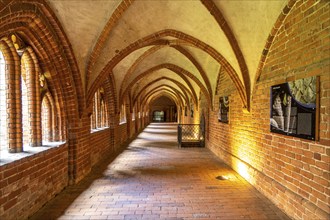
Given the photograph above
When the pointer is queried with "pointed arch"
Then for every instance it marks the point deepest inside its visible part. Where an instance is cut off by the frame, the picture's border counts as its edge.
(122, 7)
(31, 75)
(166, 88)
(174, 96)
(13, 91)
(216, 13)
(286, 10)
(184, 39)
(182, 87)
(178, 70)
(181, 50)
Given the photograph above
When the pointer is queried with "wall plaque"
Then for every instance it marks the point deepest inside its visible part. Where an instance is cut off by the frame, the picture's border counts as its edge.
(293, 108)
(223, 115)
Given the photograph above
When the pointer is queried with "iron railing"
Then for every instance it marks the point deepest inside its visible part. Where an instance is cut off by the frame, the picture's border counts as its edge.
(190, 135)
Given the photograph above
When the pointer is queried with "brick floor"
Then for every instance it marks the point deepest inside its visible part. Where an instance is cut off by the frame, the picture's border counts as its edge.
(153, 179)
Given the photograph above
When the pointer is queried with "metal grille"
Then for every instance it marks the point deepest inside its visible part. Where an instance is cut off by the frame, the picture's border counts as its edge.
(190, 134)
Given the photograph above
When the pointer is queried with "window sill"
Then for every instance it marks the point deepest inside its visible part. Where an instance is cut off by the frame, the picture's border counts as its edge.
(6, 158)
(121, 123)
(99, 129)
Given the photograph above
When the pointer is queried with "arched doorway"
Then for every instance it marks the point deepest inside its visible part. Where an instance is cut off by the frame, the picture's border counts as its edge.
(163, 110)
(158, 116)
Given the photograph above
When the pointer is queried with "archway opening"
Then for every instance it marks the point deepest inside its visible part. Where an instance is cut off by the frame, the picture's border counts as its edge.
(3, 104)
(25, 104)
(158, 116)
(164, 110)
(46, 120)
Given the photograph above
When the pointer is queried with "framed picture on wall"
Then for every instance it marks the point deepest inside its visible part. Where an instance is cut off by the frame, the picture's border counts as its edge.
(293, 109)
(223, 115)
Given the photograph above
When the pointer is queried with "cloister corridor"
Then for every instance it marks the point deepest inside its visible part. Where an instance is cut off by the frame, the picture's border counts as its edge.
(154, 179)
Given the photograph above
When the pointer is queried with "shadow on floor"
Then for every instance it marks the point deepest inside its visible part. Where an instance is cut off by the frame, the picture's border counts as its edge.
(56, 207)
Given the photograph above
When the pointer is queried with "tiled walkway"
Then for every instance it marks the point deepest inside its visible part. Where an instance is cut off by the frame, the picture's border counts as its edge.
(153, 179)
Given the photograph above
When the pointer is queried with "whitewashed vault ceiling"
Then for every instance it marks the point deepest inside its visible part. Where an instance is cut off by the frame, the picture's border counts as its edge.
(175, 44)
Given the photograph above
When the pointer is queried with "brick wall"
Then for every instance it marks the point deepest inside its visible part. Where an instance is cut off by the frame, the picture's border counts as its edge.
(27, 184)
(292, 172)
(100, 142)
(188, 119)
(79, 149)
(133, 124)
(121, 133)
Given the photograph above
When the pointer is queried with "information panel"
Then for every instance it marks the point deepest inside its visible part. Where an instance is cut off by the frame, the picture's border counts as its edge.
(293, 108)
(223, 109)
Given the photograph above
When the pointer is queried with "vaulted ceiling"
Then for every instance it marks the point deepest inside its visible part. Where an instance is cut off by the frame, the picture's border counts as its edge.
(172, 47)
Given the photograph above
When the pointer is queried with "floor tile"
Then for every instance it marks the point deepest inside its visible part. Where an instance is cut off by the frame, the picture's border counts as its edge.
(154, 179)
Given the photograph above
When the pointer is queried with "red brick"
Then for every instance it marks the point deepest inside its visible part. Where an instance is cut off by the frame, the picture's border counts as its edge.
(317, 148)
(9, 204)
(10, 172)
(317, 156)
(290, 54)
(322, 165)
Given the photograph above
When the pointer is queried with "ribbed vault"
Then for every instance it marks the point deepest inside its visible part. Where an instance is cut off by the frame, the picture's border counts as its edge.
(175, 48)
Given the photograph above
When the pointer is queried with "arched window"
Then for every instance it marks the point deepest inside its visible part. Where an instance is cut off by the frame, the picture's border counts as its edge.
(122, 116)
(133, 114)
(46, 119)
(3, 104)
(20, 102)
(99, 117)
(49, 121)
(25, 105)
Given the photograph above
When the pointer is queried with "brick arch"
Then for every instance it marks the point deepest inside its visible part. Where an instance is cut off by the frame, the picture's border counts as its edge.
(137, 62)
(49, 127)
(285, 11)
(95, 53)
(178, 70)
(193, 93)
(178, 95)
(179, 49)
(163, 91)
(110, 100)
(182, 87)
(46, 99)
(39, 28)
(159, 93)
(186, 92)
(33, 89)
(166, 95)
(13, 91)
(156, 39)
(169, 79)
(162, 95)
(215, 12)
(49, 64)
(199, 68)
(54, 134)
(46, 64)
